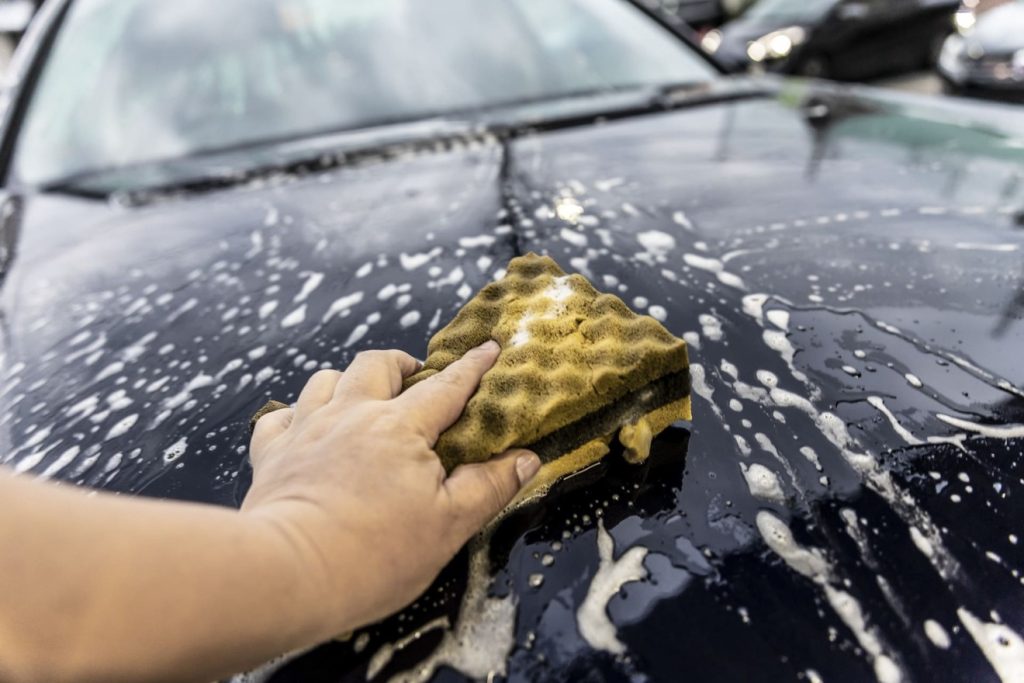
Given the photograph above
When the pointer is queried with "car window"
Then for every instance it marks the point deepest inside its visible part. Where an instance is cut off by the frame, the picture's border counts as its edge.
(130, 81)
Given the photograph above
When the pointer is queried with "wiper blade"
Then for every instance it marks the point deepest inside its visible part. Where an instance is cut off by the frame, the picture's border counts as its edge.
(211, 170)
(656, 99)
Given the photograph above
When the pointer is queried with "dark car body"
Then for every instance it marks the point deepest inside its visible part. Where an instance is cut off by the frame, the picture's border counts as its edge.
(987, 60)
(840, 39)
(696, 14)
(848, 266)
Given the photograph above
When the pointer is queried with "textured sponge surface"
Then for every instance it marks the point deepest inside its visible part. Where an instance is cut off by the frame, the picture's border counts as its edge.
(567, 351)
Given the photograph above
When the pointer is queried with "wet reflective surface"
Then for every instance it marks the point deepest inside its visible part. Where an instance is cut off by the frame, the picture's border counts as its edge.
(847, 269)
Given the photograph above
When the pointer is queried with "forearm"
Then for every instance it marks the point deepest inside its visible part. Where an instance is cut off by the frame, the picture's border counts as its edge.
(110, 588)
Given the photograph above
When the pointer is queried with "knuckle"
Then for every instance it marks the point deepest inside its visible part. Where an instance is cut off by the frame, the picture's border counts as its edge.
(325, 376)
(274, 419)
(371, 356)
(390, 421)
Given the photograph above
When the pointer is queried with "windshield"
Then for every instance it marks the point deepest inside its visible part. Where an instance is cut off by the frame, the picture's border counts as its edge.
(793, 11)
(133, 81)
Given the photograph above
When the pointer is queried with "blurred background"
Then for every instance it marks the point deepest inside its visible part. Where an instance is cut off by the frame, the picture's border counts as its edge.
(972, 48)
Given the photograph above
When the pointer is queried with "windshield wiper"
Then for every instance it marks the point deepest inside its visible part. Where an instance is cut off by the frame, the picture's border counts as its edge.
(212, 170)
(655, 99)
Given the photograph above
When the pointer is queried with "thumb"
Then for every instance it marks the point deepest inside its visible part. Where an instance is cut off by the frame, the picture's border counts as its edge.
(480, 491)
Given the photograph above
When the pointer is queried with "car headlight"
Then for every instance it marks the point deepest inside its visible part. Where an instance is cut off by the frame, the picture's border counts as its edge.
(711, 41)
(964, 20)
(777, 44)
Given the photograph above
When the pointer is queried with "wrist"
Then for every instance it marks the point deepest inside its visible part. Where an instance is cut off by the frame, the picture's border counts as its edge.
(302, 573)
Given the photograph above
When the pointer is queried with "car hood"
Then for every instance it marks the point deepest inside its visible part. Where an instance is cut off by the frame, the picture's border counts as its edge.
(848, 268)
(1000, 31)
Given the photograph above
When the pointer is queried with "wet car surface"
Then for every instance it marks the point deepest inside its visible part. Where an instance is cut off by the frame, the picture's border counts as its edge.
(847, 266)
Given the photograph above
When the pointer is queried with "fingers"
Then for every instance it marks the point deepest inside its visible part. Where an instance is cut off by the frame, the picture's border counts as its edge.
(480, 491)
(268, 428)
(317, 393)
(376, 375)
(438, 401)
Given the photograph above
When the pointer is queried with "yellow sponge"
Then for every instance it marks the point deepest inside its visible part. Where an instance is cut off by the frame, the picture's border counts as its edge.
(576, 366)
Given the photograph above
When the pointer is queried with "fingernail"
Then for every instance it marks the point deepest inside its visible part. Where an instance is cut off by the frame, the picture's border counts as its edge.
(526, 467)
(489, 345)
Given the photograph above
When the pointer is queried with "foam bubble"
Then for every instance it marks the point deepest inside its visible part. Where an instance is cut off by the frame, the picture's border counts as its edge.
(592, 617)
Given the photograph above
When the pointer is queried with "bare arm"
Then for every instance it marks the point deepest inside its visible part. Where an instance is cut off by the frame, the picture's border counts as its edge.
(349, 518)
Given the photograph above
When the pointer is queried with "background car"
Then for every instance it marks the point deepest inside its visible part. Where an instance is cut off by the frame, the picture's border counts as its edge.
(986, 58)
(194, 219)
(840, 39)
(699, 15)
(695, 14)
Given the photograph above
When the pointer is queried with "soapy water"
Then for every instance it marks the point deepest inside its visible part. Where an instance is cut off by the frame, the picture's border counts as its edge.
(843, 435)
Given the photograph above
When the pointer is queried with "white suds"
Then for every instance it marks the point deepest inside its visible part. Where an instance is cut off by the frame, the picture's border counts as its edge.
(62, 461)
(715, 267)
(313, 281)
(700, 385)
(294, 318)
(357, 333)
(753, 305)
(414, 261)
(343, 305)
(657, 244)
(175, 450)
(880, 406)
(971, 246)
(410, 319)
(573, 237)
(936, 634)
(267, 308)
(478, 241)
(812, 564)
(811, 456)
(922, 543)
(1003, 648)
(383, 656)
(592, 616)
(711, 326)
(1011, 431)
(779, 318)
(763, 483)
(121, 427)
(484, 632)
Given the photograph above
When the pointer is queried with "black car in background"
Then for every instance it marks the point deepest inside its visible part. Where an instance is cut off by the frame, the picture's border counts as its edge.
(695, 14)
(698, 15)
(840, 39)
(193, 220)
(986, 58)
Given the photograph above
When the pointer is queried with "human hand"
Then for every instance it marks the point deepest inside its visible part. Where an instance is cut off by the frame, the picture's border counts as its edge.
(349, 478)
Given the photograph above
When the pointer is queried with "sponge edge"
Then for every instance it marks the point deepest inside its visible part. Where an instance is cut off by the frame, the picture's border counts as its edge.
(567, 352)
